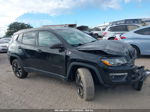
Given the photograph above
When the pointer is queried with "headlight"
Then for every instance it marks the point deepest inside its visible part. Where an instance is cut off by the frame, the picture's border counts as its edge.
(114, 61)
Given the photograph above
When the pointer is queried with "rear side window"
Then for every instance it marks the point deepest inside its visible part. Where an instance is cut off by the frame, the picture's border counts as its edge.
(13, 38)
(19, 39)
(145, 31)
(47, 39)
(132, 27)
(29, 38)
(118, 28)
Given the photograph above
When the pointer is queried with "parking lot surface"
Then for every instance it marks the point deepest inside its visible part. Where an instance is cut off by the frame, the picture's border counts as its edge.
(41, 92)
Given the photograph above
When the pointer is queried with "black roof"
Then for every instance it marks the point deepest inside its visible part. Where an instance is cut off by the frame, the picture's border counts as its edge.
(42, 28)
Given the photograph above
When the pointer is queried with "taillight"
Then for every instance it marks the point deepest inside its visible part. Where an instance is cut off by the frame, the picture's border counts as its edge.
(104, 33)
(123, 37)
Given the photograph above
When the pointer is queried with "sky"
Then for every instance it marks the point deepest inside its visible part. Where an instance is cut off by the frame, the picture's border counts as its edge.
(81, 12)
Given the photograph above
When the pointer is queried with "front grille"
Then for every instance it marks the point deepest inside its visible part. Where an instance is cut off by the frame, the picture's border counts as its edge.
(118, 78)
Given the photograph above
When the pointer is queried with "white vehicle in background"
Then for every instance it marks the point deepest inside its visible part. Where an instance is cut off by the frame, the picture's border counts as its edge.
(117, 30)
(98, 31)
(4, 44)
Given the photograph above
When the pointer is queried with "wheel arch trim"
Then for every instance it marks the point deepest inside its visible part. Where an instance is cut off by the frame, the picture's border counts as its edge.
(16, 57)
(73, 64)
(136, 47)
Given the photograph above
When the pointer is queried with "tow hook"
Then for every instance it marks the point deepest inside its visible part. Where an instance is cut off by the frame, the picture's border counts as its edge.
(147, 72)
(144, 73)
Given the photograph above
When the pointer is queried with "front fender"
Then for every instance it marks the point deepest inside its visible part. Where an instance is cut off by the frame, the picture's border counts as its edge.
(86, 65)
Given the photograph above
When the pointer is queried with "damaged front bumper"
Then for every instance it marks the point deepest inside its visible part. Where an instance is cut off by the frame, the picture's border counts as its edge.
(124, 75)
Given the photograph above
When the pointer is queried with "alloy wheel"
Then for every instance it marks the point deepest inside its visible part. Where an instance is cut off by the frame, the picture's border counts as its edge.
(17, 69)
(79, 84)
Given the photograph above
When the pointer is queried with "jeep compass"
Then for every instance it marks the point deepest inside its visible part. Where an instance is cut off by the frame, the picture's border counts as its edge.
(72, 55)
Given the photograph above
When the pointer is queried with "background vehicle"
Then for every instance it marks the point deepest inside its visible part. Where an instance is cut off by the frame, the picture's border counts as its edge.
(4, 44)
(139, 39)
(86, 30)
(112, 31)
(70, 54)
(128, 21)
(98, 32)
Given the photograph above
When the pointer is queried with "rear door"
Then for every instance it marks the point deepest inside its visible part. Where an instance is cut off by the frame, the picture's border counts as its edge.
(50, 60)
(28, 48)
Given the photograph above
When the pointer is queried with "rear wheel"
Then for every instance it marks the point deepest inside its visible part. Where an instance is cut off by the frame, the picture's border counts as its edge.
(96, 35)
(85, 84)
(18, 69)
(111, 38)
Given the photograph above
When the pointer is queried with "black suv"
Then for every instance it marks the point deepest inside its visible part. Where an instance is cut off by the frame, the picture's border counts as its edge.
(72, 55)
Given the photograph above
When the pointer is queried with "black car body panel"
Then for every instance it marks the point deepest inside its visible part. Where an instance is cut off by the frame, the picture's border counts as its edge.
(61, 62)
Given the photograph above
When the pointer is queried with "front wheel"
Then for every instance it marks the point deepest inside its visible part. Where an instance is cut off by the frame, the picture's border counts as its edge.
(18, 69)
(85, 84)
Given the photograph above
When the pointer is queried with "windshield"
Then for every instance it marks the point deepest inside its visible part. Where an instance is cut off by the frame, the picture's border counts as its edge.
(75, 37)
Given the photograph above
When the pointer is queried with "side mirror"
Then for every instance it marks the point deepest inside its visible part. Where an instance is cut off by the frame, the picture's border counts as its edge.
(57, 46)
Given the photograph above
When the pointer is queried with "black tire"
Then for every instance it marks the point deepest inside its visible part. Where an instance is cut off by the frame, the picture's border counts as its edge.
(138, 85)
(96, 35)
(18, 69)
(111, 38)
(85, 84)
(137, 51)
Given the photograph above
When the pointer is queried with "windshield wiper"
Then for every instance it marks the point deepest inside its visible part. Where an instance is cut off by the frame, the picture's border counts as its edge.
(78, 44)
(83, 43)
(93, 40)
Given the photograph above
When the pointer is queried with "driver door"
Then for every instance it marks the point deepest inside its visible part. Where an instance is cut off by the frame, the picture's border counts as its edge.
(50, 60)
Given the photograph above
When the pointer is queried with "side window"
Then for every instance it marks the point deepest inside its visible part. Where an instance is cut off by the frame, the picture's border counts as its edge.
(29, 38)
(145, 31)
(118, 28)
(103, 29)
(132, 27)
(13, 38)
(47, 39)
(19, 39)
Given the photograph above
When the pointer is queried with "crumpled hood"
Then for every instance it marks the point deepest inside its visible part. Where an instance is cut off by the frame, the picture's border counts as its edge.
(112, 47)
